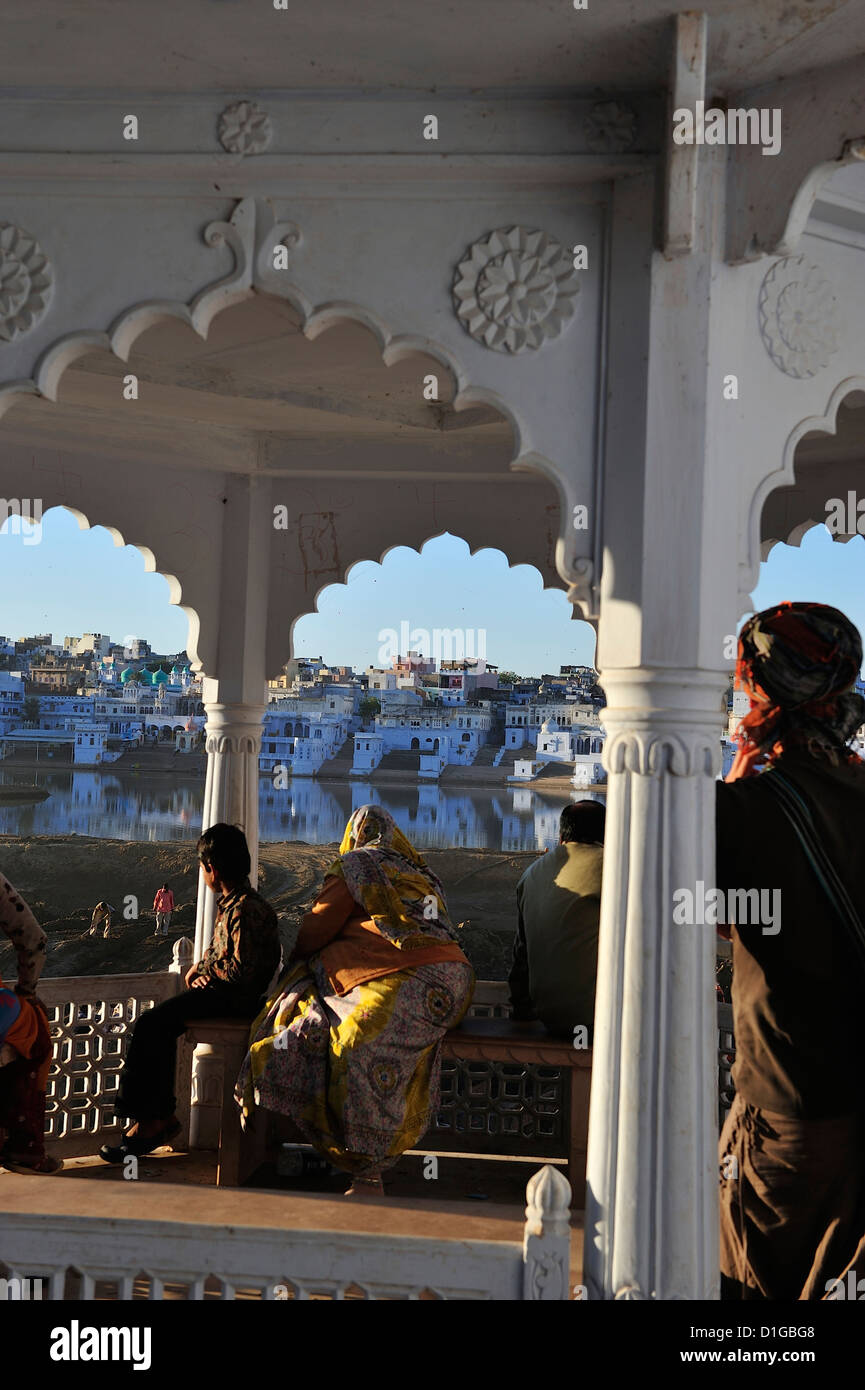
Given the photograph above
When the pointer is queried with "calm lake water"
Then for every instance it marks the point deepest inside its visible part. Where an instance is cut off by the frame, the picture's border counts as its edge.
(124, 806)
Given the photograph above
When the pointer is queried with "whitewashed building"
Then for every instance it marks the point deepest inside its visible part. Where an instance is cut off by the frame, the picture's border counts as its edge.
(91, 746)
(368, 752)
(440, 736)
(11, 700)
(301, 732)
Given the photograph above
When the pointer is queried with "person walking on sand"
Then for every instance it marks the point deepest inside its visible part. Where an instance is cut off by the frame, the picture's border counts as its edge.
(163, 906)
(101, 917)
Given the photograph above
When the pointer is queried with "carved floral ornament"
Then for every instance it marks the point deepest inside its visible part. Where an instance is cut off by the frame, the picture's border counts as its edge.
(26, 281)
(610, 127)
(516, 289)
(799, 318)
(244, 128)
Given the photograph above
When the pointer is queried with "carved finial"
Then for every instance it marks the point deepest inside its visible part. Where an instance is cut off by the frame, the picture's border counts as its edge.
(181, 956)
(547, 1238)
(548, 1196)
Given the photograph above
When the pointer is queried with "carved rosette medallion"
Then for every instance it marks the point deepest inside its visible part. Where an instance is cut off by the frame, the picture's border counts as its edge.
(244, 128)
(515, 289)
(26, 282)
(799, 317)
(610, 127)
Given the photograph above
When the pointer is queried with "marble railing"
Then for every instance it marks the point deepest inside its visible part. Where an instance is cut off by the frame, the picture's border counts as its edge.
(104, 1255)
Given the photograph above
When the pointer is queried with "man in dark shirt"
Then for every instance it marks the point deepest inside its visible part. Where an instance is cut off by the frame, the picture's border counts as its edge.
(555, 960)
(229, 980)
(792, 1186)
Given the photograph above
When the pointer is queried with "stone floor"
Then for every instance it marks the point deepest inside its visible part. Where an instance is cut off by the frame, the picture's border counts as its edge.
(480, 1199)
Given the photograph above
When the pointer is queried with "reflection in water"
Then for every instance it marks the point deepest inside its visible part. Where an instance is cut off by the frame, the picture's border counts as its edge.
(124, 806)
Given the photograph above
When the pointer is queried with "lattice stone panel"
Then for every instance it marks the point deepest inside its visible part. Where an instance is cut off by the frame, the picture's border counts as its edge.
(502, 1108)
(91, 1020)
(491, 999)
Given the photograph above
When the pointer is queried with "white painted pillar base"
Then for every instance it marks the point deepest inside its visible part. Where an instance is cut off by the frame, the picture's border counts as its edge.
(652, 1204)
(231, 795)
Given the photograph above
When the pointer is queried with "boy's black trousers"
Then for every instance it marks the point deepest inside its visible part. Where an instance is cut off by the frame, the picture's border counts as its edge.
(146, 1088)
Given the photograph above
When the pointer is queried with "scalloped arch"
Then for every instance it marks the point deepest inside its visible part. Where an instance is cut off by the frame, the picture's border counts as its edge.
(151, 566)
(418, 550)
(785, 476)
(121, 335)
(223, 294)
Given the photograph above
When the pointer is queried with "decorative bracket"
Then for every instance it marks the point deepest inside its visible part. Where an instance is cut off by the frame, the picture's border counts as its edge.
(687, 87)
(252, 233)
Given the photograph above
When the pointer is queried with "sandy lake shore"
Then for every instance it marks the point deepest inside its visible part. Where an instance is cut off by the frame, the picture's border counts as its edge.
(62, 877)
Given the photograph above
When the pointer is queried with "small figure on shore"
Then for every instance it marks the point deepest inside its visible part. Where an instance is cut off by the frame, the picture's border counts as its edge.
(101, 917)
(25, 1045)
(163, 906)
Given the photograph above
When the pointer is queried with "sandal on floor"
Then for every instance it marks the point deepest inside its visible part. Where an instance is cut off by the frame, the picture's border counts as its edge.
(365, 1187)
(138, 1146)
(44, 1167)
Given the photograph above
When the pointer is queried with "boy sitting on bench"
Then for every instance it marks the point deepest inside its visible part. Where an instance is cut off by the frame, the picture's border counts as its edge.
(228, 981)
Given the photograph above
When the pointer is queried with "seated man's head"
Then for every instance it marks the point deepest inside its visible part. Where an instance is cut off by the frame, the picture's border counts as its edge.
(224, 856)
(583, 822)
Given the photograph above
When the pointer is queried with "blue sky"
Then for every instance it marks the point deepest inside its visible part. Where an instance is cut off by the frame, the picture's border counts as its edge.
(75, 581)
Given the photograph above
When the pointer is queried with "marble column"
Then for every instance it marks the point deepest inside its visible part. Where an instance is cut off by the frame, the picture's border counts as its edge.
(231, 795)
(234, 697)
(233, 742)
(651, 1209)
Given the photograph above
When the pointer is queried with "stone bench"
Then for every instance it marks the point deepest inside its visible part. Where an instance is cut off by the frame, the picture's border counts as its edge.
(510, 1089)
(239, 1154)
(507, 1089)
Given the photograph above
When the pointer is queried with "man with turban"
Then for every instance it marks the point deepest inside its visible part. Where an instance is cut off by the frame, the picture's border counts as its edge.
(792, 1185)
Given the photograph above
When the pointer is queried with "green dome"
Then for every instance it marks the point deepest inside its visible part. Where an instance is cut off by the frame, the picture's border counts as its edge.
(126, 676)
(159, 677)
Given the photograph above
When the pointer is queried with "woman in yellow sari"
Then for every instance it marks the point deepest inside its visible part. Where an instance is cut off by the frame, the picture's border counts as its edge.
(350, 1047)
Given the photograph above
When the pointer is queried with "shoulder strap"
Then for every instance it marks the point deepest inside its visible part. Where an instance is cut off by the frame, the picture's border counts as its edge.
(799, 815)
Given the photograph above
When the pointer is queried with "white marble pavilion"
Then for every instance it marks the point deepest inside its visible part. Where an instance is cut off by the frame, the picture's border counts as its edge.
(238, 242)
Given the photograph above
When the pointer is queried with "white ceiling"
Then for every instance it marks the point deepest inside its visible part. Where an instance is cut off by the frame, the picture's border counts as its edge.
(235, 45)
